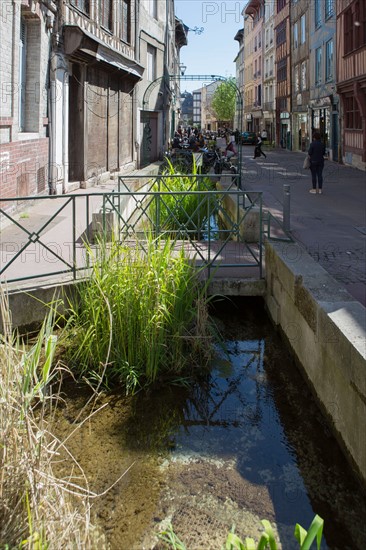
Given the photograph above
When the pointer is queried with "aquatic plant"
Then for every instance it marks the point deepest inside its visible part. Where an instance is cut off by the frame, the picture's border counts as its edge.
(35, 508)
(267, 540)
(168, 535)
(186, 212)
(137, 317)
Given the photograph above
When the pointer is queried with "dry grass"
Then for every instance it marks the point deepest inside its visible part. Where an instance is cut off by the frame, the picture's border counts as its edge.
(37, 510)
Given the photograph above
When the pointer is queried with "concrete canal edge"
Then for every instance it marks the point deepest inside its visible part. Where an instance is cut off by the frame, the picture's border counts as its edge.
(323, 325)
(326, 329)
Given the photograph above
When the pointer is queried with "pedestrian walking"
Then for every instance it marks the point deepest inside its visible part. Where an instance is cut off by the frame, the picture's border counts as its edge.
(258, 148)
(316, 153)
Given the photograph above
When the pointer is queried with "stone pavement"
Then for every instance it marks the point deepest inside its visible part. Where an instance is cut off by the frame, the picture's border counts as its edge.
(331, 226)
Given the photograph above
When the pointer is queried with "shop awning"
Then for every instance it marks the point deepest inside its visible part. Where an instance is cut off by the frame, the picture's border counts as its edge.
(85, 46)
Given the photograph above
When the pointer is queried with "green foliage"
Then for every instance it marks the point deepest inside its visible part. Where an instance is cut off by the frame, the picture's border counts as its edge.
(171, 538)
(170, 212)
(136, 318)
(267, 540)
(223, 101)
(315, 531)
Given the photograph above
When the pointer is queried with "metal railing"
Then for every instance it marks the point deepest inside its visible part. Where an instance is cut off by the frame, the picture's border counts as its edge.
(45, 238)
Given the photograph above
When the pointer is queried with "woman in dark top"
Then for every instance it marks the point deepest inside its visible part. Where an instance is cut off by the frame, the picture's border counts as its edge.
(316, 153)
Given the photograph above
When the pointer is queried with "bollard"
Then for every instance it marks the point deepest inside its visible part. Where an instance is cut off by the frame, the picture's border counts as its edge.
(286, 207)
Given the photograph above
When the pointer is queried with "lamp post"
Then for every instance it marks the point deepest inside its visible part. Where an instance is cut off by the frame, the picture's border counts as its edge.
(182, 69)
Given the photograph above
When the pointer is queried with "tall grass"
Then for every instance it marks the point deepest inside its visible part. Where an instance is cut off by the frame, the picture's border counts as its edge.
(170, 212)
(35, 508)
(138, 317)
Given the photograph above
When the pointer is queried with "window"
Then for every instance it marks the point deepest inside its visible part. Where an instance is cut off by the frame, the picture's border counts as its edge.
(303, 75)
(153, 8)
(317, 13)
(352, 118)
(125, 20)
(297, 79)
(359, 23)
(328, 9)
(105, 14)
(282, 69)
(354, 26)
(281, 33)
(318, 65)
(348, 31)
(29, 108)
(280, 5)
(296, 35)
(151, 63)
(259, 95)
(329, 60)
(302, 29)
(82, 5)
(282, 103)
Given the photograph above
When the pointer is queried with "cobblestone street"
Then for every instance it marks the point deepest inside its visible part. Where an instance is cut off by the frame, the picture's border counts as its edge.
(332, 226)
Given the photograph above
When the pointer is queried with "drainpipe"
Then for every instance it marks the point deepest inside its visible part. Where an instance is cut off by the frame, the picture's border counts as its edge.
(65, 130)
(52, 173)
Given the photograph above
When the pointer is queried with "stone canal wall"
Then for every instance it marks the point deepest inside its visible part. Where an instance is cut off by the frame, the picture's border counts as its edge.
(325, 328)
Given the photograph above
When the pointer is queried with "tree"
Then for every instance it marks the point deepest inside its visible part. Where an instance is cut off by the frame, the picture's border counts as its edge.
(223, 101)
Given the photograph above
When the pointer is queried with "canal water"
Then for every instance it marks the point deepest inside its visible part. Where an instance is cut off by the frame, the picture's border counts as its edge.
(246, 443)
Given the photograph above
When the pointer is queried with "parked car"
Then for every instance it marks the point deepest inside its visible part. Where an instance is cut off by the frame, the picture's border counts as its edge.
(248, 138)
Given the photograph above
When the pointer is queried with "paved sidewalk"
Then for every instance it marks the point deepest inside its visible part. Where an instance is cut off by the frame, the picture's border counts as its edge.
(331, 226)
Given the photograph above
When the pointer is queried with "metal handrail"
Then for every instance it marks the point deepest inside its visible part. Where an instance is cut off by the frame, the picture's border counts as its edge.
(60, 237)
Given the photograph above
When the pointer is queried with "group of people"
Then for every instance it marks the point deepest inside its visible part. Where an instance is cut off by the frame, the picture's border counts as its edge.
(194, 139)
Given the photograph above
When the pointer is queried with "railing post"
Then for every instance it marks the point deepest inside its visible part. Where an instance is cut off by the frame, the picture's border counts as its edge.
(74, 236)
(286, 207)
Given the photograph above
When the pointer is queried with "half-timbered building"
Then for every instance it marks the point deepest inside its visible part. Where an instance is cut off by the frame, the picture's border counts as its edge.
(351, 79)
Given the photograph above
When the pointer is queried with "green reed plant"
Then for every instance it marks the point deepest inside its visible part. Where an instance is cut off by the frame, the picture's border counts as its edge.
(304, 537)
(267, 540)
(171, 212)
(138, 316)
(35, 508)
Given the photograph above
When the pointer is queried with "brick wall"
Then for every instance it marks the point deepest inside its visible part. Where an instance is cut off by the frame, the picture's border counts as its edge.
(24, 168)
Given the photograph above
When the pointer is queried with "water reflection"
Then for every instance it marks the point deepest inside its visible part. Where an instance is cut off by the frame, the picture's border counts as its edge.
(246, 442)
(234, 416)
(254, 410)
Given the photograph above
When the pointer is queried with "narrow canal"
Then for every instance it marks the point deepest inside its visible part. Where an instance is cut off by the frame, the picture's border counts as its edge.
(246, 443)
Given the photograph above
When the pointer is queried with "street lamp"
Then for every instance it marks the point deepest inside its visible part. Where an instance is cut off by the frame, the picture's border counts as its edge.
(182, 69)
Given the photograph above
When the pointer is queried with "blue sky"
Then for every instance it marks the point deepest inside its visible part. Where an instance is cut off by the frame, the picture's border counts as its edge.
(213, 51)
